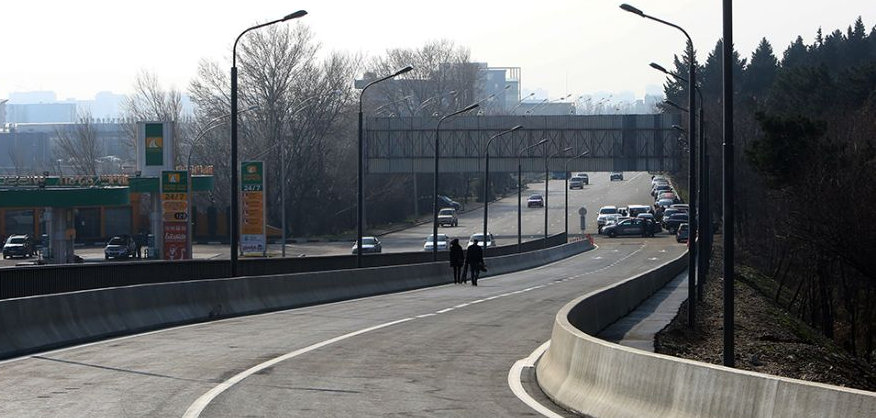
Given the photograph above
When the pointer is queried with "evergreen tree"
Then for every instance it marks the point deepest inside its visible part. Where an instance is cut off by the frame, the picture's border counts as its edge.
(712, 75)
(674, 89)
(760, 73)
(796, 55)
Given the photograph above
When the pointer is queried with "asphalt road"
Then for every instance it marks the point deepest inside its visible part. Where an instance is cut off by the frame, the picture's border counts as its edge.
(442, 351)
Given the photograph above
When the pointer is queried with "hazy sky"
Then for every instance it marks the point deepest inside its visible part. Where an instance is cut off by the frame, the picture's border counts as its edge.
(80, 48)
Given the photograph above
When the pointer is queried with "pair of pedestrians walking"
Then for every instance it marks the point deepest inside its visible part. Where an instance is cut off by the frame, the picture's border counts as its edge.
(472, 260)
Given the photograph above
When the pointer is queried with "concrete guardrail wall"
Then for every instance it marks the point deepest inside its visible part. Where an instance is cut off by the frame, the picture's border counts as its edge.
(38, 323)
(600, 379)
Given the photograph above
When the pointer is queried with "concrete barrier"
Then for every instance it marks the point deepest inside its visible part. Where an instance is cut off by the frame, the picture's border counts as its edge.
(600, 379)
(38, 323)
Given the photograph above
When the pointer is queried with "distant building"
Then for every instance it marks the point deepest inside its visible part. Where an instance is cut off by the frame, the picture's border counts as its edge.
(30, 148)
(40, 113)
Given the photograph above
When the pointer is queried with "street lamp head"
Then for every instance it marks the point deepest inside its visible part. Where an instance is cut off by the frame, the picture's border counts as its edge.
(518, 127)
(678, 128)
(565, 150)
(469, 108)
(632, 9)
(403, 70)
(659, 67)
(295, 15)
(543, 141)
(675, 105)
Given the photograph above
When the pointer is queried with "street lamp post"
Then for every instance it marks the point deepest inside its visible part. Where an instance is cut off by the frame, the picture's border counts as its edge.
(514, 109)
(547, 179)
(235, 187)
(413, 171)
(360, 205)
(567, 188)
(729, 250)
(519, 195)
(692, 173)
(435, 183)
(487, 177)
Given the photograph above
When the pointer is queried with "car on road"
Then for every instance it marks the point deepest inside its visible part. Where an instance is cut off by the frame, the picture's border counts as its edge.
(447, 217)
(120, 246)
(681, 206)
(616, 175)
(665, 202)
(369, 245)
(443, 242)
(576, 183)
(674, 221)
(612, 220)
(602, 216)
(535, 201)
(446, 202)
(633, 211)
(625, 227)
(585, 177)
(683, 233)
(18, 245)
(650, 217)
(656, 190)
(491, 241)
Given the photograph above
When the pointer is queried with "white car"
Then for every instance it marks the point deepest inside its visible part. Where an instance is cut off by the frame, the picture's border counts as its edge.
(369, 245)
(491, 242)
(601, 216)
(443, 242)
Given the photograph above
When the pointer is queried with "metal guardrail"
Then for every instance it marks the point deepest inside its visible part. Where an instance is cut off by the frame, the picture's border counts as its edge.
(43, 280)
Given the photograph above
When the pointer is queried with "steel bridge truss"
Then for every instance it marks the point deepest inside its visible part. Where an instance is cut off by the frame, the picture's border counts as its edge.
(615, 143)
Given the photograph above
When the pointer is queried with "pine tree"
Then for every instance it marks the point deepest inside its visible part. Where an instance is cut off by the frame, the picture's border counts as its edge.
(760, 73)
(675, 89)
(713, 71)
(796, 55)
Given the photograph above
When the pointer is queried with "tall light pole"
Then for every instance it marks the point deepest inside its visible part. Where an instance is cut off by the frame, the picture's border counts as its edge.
(567, 188)
(235, 187)
(360, 196)
(435, 184)
(413, 172)
(487, 177)
(729, 310)
(692, 173)
(546, 101)
(513, 109)
(519, 195)
(547, 178)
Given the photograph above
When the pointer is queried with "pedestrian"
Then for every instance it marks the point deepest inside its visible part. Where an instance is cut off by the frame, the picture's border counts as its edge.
(474, 261)
(138, 243)
(457, 259)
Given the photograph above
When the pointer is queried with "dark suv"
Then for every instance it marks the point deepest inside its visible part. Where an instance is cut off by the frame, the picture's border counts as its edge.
(18, 245)
(446, 202)
(120, 246)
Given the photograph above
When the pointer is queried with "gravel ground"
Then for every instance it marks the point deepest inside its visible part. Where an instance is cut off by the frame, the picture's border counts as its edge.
(768, 340)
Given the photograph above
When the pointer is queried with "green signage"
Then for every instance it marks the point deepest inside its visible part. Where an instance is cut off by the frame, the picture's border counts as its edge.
(174, 182)
(154, 144)
(252, 176)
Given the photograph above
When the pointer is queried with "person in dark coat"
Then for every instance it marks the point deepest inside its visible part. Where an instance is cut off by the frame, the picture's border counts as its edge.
(474, 261)
(457, 259)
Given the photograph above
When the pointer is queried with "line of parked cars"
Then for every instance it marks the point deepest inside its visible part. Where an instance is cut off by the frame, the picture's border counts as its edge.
(670, 215)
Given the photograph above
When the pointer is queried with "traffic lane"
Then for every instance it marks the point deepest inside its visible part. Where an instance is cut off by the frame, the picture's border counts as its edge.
(161, 373)
(454, 363)
(503, 213)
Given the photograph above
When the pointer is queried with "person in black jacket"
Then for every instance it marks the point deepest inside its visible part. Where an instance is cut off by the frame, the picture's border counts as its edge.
(474, 260)
(457, 258)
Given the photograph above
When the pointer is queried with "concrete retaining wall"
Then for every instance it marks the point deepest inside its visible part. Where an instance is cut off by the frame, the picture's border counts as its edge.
(600, 379)
(38, 323)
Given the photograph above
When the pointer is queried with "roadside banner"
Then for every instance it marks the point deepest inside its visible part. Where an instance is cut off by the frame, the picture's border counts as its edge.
(252, 187)
(175, 214)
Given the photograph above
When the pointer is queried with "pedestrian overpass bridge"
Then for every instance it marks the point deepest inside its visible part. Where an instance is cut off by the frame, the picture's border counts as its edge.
(614, 142)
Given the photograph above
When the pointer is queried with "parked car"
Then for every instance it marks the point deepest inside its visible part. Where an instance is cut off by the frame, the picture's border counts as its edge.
(650, 217)
(602, 216)
(18, 245)
(576, 183)
(656, 190)
(369, 245)
(616, 175)
(442, 242)
(625, 227)
(535, 201)
(447, 217)
(120, 246)
(585, 177)
(683, 233)
(658, 179)
(633, 211)
(674, 221)
(666, 195)
(665, 202)
(684, 207)
(446, 202)
(612, 220)
(491, 242)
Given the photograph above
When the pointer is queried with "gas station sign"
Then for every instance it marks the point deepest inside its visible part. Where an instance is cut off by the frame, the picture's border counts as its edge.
(252, 185)
(175, 214)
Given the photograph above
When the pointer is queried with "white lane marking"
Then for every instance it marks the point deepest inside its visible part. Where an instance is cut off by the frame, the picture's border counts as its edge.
(514, 382)
(444, 310)
(198, 406)
(653, 259)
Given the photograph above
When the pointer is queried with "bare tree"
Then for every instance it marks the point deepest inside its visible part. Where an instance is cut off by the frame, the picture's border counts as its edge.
(78, 146)
(152, 102)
